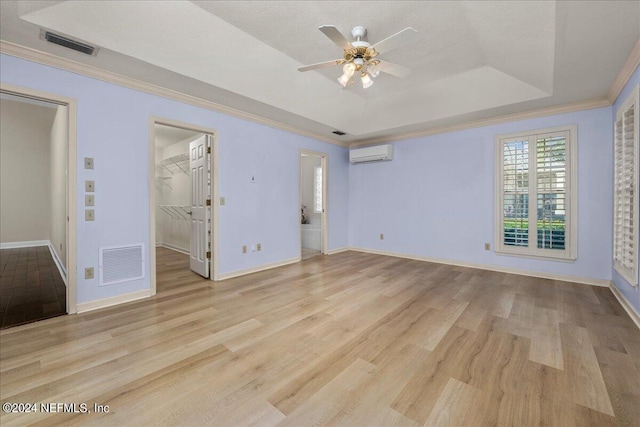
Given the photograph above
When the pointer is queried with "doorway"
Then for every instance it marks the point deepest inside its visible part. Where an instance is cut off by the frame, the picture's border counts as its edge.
(313, 204)
(183, 184)
(37, 222)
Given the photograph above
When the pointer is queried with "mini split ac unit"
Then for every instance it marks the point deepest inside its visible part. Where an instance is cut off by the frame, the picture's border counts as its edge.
(377, 153)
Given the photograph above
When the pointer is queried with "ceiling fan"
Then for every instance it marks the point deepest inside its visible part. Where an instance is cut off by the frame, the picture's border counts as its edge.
(362, 57)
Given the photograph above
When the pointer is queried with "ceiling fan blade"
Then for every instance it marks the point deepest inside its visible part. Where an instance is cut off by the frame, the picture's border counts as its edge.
(394, 41)
(394, 69)
(320, 65)
(336, 36)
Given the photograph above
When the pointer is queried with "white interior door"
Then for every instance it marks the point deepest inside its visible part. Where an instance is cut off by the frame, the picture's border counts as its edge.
(200, 221)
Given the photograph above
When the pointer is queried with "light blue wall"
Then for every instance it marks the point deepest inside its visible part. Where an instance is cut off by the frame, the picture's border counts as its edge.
(435, 199)
(632, 294)
(113, 127)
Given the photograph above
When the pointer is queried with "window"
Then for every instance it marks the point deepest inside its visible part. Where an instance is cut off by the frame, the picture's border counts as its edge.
(317, 189)
(625, 196)
(536, 200)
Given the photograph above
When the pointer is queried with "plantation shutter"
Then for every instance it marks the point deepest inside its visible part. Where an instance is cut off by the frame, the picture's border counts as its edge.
(536, 193)
(515, 191)
(625, 221)
(551, 191)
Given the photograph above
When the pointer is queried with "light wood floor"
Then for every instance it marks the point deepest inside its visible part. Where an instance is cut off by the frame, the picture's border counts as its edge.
(351, 339)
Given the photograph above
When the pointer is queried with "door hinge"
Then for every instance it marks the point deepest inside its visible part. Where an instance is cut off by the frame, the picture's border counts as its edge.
(209, 255)
(208, 202)
(208, 150)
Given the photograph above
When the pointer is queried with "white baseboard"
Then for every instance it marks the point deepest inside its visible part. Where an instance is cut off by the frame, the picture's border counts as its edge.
(175, 248)
(83, 307)
(337, 250)
(61, 269)
(624, 302)
(263, 267)
(540, 274)
(26, 244)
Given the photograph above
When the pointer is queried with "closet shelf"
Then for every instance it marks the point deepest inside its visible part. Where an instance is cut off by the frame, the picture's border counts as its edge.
(176, 211)
(177, 163)
(163, 180)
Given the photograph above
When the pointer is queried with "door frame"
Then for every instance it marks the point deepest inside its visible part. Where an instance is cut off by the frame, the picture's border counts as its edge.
(155, 120)
(71, 241)
(324, 223)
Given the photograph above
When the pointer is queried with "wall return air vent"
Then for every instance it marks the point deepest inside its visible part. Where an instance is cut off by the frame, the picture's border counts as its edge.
(64, 41)
(378, 153)
(121, 264)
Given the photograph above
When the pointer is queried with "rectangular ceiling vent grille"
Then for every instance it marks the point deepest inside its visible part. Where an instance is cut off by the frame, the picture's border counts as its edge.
(121, 264)
(68, 43)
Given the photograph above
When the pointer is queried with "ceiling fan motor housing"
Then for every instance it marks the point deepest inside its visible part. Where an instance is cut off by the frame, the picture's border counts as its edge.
(358, 32)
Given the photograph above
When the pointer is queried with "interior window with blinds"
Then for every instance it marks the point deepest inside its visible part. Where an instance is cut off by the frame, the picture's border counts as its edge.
(625, 203)
(534, 192)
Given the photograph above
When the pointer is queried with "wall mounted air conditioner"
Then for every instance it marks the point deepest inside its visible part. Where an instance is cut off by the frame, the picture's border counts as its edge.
(376, 153)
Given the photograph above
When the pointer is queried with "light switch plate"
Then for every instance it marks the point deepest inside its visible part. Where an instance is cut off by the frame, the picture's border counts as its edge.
(89, 200)
(259, 247)
(88, 162)
(89, 186)
(89, 214)
(222, 201)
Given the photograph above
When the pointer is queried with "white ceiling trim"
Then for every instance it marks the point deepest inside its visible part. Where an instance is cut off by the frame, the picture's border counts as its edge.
(33, 55)
(48, 59)
(517, 64)
(542, 112)
(633, 61)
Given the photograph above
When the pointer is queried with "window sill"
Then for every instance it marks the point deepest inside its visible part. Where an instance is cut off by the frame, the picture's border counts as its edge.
(567, 259)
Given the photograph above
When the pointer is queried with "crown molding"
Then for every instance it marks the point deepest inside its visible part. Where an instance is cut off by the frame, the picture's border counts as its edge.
(625, 73)
(532, 114)
(66, 64)
(48, 59)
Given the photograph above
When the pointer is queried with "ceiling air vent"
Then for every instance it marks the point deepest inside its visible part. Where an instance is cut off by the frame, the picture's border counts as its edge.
(339, 133)
(68, 43)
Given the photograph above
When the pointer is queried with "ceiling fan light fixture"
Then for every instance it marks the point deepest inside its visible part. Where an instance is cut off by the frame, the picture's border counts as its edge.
(344, 79)
(366, 80)
(348, 69)
(373, 70)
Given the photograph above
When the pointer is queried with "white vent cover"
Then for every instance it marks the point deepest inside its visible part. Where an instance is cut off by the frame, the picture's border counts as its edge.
(121, 264)
(378, 153)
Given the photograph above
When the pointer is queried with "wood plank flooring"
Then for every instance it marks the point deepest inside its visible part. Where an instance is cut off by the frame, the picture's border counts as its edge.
(350, 339)
(31, 287)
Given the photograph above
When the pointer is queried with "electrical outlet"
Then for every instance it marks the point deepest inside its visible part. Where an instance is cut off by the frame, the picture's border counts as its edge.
(89, 200)
(222, 201)
(89, 186)
(89, 214)
(88, 273)
(381, 236)
(487, 247)
(88, 162)
(259, 247)
(244, 249)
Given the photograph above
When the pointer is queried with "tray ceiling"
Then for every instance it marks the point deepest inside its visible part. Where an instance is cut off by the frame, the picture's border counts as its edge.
(470, 60)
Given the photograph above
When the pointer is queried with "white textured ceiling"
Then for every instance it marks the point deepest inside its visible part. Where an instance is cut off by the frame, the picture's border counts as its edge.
(469, 60)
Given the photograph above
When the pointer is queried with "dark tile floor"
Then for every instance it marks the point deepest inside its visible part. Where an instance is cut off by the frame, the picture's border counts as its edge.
(31, 287)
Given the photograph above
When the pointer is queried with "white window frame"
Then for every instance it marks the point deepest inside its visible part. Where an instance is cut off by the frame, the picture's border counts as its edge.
(621, 236)
(571, 217)
(318, 192)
